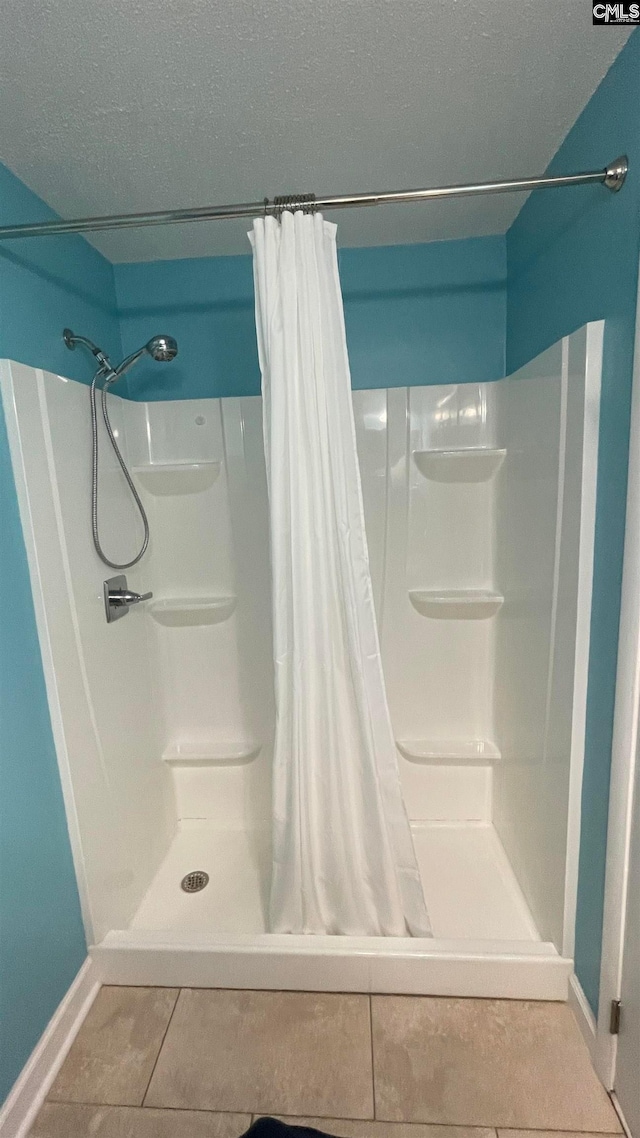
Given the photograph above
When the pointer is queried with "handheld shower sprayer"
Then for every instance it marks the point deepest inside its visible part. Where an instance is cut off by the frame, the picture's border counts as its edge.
(163, 349)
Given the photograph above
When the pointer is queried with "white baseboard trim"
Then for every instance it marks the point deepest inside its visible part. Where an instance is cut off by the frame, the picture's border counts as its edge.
(584, 1016)
(620, 1113)
(32, 1085)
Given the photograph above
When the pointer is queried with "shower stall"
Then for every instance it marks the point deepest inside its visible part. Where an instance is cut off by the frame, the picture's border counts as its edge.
(480, 508)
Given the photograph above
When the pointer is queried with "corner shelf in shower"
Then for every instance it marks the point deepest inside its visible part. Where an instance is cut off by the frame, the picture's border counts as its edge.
(451, 752)
(475, 464)
(456, 604)
(220, 754)
(164, 480)
(191, 612)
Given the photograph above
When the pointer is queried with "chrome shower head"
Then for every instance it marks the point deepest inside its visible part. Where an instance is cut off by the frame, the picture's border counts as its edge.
(162, 348)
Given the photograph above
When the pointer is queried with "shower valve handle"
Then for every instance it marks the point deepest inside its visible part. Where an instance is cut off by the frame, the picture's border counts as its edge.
(118, 598)
(125, 597)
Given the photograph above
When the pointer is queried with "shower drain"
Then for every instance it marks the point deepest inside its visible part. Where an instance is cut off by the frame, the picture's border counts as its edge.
(195, 881)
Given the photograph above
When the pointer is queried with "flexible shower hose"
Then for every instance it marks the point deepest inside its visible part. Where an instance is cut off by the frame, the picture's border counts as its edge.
(108, 380)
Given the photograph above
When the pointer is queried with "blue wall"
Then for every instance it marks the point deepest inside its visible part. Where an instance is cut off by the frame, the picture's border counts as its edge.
(41, 937)
(47, 284)
(415, 314)
(573, 257)
(44, 284)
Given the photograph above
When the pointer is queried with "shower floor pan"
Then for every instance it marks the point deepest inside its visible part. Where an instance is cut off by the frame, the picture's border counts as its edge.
(485, 942)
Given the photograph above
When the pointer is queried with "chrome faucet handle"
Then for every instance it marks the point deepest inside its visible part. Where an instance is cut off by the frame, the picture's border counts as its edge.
(118, 598)
(126, 597)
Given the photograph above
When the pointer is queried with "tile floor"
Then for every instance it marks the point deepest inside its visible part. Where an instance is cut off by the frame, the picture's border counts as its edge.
(170, 1063)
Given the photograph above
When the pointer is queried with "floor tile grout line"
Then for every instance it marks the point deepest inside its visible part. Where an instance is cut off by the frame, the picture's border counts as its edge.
(172, 1109)
(162, 1041)
(333, 1118)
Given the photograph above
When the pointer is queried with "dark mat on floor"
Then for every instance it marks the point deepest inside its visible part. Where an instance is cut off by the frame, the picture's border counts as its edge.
(271, 1128)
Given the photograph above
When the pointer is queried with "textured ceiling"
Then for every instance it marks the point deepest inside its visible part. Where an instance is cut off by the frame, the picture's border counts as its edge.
(126, 105)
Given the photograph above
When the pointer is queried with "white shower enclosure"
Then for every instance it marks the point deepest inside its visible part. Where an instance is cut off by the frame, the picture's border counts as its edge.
(480, 510)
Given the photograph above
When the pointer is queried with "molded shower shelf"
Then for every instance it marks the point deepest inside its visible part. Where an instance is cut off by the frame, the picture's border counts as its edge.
(452, 752)
(223, 754)
(475, 464)
(189, 612)
(456, 604)
(164, 479)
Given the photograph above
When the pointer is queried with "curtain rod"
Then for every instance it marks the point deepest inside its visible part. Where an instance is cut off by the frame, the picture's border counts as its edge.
(612, 176)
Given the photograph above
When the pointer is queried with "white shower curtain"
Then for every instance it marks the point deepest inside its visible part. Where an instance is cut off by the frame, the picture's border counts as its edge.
(343, 856)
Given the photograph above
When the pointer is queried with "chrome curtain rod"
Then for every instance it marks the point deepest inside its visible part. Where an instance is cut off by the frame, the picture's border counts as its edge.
(612, 177)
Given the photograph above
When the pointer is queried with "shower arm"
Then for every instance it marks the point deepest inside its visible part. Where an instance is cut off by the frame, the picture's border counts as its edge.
(71, 339)
(612, 176)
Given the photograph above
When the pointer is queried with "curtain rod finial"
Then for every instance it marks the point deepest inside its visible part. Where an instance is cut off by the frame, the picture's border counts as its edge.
(616, 172)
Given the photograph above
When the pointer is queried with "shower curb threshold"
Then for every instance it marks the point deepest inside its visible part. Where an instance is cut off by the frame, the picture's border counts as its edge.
(394, 965)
